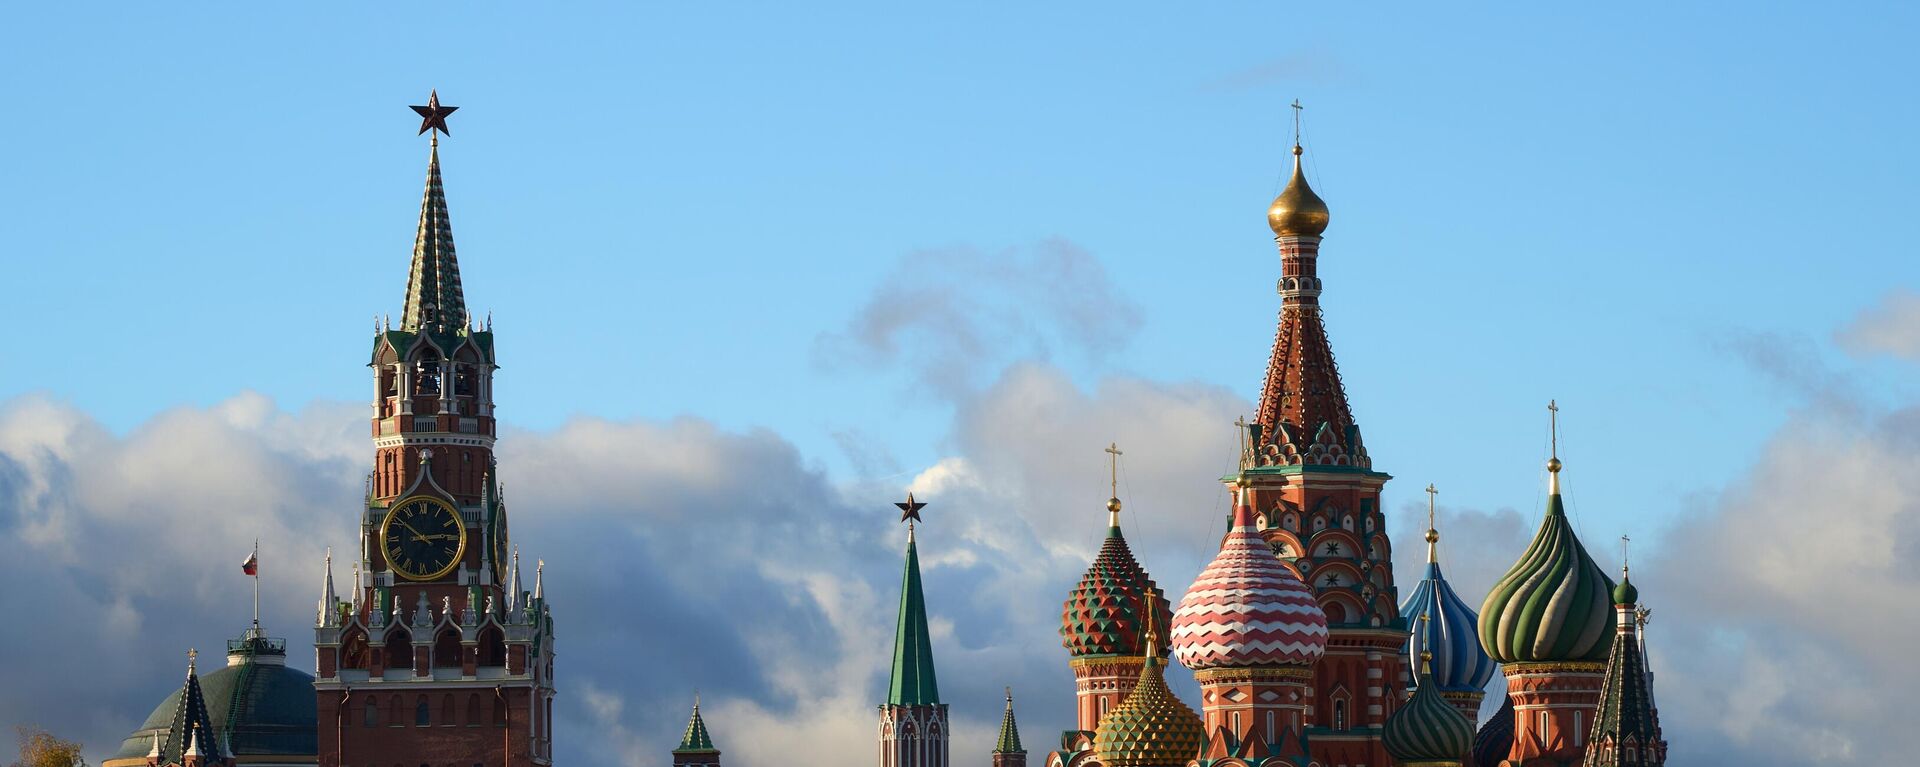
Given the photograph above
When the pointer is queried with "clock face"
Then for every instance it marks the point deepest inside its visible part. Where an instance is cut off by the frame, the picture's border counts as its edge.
(423, 538)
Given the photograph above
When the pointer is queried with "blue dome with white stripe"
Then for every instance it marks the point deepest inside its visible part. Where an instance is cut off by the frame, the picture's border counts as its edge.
(1450, 632)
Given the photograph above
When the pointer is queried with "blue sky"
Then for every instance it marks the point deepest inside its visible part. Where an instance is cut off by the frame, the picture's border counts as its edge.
(1659, 216)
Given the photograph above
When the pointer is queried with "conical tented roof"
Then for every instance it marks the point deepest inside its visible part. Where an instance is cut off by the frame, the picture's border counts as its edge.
(434, 300)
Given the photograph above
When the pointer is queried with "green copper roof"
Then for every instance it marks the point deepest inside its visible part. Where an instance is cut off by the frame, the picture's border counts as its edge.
(434, 301)
(258, 708)
(913, 678)
(1009, 742)
(1554, 605)
(696, 741)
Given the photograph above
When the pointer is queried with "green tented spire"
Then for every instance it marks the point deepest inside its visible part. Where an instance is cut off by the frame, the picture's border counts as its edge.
(434, 301)
(1009, 742)
(696, 741)
(913, 678)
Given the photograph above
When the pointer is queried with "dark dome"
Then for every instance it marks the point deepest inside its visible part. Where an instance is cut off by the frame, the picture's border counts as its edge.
(1495, 739)
(276, 704)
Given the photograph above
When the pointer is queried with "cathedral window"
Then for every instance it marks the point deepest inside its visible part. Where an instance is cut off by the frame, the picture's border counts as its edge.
(446, 711)
(393, 713)
(422, 717)
(499, 712)
(371, 717)
(1339, 715)
(473, 709)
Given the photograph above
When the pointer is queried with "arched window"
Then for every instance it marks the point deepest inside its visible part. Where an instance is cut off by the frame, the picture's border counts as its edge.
(393, 713)
(447, 718)
(446, 649)
(353, 649)
(421, 716)
(493, 647)
(372, 715)
(473, 710)
(399, 649)
(1339, 715)
(499, 712)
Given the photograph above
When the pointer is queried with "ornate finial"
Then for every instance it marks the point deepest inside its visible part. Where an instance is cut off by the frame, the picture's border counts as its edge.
(1246, 442)
(1297, 109)
(1625, 568)
(433, 116)
(426, 454)
(696, 699)
(1641, 615)
(1009, 696)
(1433, 535)
(1113, 484)
(1553, 446)
(910, 513)
(192, 656)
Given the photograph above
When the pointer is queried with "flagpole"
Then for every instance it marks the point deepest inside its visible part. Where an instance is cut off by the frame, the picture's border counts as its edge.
(256, 587)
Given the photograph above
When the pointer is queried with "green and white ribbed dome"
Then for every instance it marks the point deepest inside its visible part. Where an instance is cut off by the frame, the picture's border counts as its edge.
(1555, 604)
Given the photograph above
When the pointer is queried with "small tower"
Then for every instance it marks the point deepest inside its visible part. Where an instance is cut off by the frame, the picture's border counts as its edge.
(1428, 731)
(1447, 629)
(1252, 633)
(696, 746)
(1103, 622)
(1546, 622)
(1007, 751)
(913, 721)
(1626, 731)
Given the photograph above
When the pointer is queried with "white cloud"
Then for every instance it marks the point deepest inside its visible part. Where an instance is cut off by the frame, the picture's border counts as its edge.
(1893, 327)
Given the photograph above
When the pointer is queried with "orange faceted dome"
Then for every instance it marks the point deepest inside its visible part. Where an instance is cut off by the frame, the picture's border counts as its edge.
(1298, 211)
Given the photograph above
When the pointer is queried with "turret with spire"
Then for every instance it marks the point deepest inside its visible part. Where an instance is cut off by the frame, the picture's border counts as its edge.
(1315, 494)
(913, 721)
(435, 603)
(696, 746)
(1626, 730)
(1007, 751)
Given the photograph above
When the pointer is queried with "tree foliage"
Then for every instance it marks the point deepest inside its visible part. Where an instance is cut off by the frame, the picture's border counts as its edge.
(39, 748)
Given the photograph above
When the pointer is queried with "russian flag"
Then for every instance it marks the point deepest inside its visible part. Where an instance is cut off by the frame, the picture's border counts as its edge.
(252, 565)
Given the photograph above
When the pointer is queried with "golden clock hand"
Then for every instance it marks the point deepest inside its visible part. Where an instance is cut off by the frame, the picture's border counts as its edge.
(403, 523)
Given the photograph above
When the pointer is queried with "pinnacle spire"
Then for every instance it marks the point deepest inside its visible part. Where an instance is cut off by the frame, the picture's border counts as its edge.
(914, 682)
(434, 300)
(1009, 741)
(329, 600)
(696, 740)
(513, 583)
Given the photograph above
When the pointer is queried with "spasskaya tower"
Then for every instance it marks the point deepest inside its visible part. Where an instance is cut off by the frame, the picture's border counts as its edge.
(434, 654)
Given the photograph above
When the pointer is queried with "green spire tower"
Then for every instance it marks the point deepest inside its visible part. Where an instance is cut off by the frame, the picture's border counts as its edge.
(1007, 751)
(696, 746)
(913, 721)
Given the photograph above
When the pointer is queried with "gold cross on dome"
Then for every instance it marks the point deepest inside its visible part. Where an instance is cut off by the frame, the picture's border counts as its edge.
(1113, 468)
(1553, 427)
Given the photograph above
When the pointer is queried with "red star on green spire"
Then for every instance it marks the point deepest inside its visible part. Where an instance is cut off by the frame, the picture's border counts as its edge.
(433, 116)
(910, 510)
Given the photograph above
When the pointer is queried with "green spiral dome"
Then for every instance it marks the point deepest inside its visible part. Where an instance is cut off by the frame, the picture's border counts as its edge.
(1428, 728)
(1555, 604)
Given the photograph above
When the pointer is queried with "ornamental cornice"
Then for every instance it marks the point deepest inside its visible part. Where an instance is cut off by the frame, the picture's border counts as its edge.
(1254, 674)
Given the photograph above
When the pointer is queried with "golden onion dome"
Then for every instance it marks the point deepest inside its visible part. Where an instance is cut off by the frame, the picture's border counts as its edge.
(1298, 211)
(1151, 728)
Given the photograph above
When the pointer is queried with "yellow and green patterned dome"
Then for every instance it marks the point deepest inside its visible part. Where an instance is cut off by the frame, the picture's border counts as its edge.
(1555, 604)
(1151, 728)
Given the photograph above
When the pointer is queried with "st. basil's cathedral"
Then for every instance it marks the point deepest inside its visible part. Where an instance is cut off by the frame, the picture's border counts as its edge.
(434, 654)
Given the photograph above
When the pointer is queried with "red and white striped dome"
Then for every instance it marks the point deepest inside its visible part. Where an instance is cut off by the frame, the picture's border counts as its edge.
(1248, 609)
